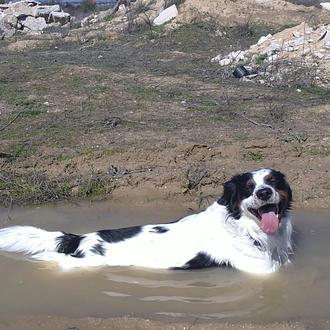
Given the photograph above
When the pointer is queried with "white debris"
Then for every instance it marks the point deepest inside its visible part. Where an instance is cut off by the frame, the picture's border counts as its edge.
(225, 61)
(325, 5)
(263, 39)
(166, 15)
(299, 45)
(233, 57)
(29, 17)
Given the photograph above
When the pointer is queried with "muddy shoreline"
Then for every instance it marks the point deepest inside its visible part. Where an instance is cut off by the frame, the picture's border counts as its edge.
(60, 323)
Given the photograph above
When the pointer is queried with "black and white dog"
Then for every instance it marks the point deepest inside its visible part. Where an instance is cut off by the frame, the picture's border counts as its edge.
(249, 228)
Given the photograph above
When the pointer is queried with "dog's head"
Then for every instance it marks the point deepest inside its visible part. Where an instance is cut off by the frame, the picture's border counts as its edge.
(263, 195)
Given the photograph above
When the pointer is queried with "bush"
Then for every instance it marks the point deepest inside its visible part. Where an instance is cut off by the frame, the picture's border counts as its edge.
(87, 5)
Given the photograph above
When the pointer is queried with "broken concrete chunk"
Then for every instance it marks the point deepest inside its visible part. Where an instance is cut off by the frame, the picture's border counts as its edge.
(29, 16)
(33, 24)
(166, 15)
(20, 9)
(325, 5)
(263, 39)
(225, 61)
(59, 17)
(45, 11)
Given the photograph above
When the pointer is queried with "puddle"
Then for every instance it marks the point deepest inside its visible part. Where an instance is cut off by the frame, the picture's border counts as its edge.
(300, 291)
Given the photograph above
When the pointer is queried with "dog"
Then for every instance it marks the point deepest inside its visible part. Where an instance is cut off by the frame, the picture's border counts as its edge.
(249, 228)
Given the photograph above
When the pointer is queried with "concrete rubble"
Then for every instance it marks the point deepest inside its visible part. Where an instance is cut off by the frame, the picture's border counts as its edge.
(29, 17)
(300, 44)
(166, 15)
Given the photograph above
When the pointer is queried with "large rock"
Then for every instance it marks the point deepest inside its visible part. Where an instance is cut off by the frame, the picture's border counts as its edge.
(166, 15)
(33, 24)
(29, 16)
(21, 9)
(45, 11)
(8, 26)
(59, 17)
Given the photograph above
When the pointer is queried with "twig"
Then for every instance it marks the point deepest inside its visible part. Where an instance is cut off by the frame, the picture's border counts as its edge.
(4, 127)
(254, 122)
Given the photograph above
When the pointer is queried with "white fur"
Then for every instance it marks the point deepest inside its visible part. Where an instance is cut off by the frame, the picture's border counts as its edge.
(213, 232)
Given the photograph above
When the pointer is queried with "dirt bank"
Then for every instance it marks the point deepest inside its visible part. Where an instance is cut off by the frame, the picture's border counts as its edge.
(147, 115)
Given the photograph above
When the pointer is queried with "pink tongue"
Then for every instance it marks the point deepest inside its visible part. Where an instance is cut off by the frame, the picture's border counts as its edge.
(269, 222)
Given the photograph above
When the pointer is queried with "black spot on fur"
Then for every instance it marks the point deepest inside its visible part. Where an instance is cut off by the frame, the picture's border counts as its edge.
(159, 230)
(201, 260)
(78, 254)
(98, 249)
(234, 191)
(68, 243)
(118, 235)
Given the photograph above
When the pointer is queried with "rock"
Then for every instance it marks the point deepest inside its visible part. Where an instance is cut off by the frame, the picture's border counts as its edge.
(327, 40)
(45, 11)
(225, 61)
(33, 24)
(216, 58)
(263, 39)
(166, 15)
(84, 22)
(319, 55)
(59, 17)
(8, 26)
(298, 42)
(28, 16)
(21, 9)
(325, 5)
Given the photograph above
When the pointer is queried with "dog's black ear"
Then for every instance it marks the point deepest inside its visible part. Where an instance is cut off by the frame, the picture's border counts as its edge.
(284, 189)
(230, 198)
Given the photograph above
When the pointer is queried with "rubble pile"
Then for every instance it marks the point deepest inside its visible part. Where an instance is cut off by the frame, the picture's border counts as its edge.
(299, 44)
(29, 17)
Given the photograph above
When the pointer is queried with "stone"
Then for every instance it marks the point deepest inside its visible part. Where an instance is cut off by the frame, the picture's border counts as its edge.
(33, 24)
(166, 15)
(325, 5)
(225, 61)
(327, 40)
(263, 39)
(60, 17)
(45, 11)
(298, 42)
(319, 55)
(216, 58)
(21, 9)
(8, 25)
(236, 56)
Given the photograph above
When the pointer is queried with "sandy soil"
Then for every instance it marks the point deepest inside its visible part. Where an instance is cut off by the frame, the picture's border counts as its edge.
(58, 323)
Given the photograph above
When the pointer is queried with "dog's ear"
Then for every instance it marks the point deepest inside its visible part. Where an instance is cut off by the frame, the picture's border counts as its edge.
(230, 198)
(284, 190)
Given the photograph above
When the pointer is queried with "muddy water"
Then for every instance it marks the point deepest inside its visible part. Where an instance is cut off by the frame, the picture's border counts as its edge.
(300, 291)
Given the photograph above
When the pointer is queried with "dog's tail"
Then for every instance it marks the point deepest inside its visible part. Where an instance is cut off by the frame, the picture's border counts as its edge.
(31, 240)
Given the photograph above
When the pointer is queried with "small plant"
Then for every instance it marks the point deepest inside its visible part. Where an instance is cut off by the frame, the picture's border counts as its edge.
(256, 156)
(261, 58)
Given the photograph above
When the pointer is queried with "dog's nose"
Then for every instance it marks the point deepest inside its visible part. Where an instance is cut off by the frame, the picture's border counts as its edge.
(264, 194)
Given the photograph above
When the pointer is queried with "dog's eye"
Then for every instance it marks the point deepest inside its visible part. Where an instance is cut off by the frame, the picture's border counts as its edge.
(249, 185)
(271, 181)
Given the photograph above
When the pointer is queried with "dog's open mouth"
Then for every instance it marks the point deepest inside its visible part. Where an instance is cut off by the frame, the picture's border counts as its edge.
(268, 216)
